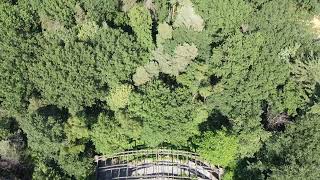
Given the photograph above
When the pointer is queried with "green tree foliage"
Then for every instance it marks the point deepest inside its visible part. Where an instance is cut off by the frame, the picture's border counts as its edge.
(257, 66)
(295, 153)
(145, 73)
(249, 131)
(111, 135)
(43, 171)
(201, 40)
(4, 127)
(167, 116)
(164, 33)
(227, 17)
(71, 74)
(127, 4)
(311, 5)
(119, 97)
(186, 16)
(8, 151)
(248, 79)
(103, 10)
(77, 134)
(249, 73)
(196, 79)
(162, 10)
(18, 23)
(87, 31)
(64, 74)
(184, 54)
(47, 146)
(56, 10)
(307, 74)
(116, 64)
(219, 148)
(141, 22)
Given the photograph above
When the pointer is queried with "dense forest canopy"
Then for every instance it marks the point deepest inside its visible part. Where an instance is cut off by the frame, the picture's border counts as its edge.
(236, 81)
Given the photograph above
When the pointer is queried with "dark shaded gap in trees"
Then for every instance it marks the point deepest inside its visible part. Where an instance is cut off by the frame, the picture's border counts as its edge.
(264, 114)
(170, 81)
(217, 41)
(316, 95)
(92, 113)
(126, 28)
(13, 2)
(53, 111)
(215, 121)
(214, 80)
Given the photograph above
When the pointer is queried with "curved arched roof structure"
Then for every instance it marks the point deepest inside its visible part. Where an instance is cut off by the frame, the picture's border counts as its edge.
(155, 164)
